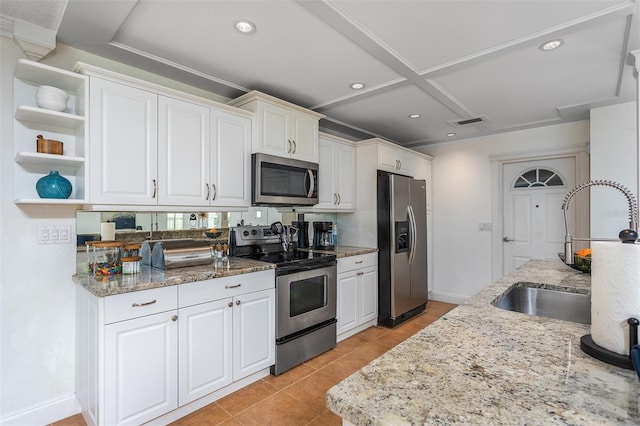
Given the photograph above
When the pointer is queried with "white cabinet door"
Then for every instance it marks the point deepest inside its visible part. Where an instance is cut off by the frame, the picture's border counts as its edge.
(368, 289)
(204, 349)
(405, 163)
(327, 197)
(230, 183)
(123, 144)
(347, 297)
(140, 369)
(345, 170)
(183, 153)
(395, 160)
(273, 130)
(254, 333)
(304, 136)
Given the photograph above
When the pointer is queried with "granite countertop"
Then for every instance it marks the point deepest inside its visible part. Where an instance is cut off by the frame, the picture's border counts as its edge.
(482, 365)
(345, 251)
(149, 277)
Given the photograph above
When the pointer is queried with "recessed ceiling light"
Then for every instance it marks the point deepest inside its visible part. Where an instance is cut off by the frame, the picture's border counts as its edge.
(551, 44)
(451, 134)
(245, 27)
(414, 116)
(357, 86)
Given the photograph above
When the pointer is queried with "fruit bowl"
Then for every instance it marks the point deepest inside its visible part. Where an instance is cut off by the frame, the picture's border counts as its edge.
(580, 263)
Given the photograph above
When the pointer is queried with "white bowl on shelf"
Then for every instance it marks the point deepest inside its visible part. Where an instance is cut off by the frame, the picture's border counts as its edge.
(49, 97)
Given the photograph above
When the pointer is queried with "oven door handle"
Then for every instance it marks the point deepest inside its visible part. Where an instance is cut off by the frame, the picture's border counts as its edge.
(312, 183)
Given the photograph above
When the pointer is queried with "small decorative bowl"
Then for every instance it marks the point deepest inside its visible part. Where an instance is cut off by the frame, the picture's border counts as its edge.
(580, 263)
(213, 234)
(49, 97)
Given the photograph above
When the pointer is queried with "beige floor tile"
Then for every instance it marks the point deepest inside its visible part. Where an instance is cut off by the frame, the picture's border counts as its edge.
(289, 377)
(327, 419)
(344, 367)
(350, 344)
(246, 397)
(210, 415)
(372, 333)
(278, 409)
(312, 389)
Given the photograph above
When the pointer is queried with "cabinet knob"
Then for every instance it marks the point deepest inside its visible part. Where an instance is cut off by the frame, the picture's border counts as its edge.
(174, 318)
(237, 302)
(230, 304)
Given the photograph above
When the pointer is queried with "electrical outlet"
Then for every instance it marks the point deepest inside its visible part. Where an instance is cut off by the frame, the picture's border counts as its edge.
(43, 235)
(64, 234)
(485, 226)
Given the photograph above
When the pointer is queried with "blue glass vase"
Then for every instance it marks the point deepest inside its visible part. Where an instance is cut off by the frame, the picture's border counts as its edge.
(53, 186)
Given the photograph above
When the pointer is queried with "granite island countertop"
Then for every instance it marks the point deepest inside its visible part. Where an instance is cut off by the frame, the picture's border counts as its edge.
(149, 277)
(481, 365)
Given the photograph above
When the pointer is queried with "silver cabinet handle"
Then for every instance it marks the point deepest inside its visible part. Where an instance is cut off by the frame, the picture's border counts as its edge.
(215, 191)
(399, 164)
(360, 273)
(232, 286)
(359, 262)
(507, 239)
(237, 302)
(230, 304)
(137, 305)
(295, 147)
(155, 188)
(289, 147)
(174, 318)
(208, 191)
(339, 198)
(335, 198)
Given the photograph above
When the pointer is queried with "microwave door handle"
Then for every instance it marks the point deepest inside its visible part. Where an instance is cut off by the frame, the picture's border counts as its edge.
(312, 183)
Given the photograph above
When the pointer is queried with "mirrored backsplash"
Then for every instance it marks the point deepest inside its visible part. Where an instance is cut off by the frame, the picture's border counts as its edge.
(134, 226)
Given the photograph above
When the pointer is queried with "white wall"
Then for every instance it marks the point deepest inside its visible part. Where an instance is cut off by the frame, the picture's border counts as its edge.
(462, 197)
(614, 156)
(37, 296)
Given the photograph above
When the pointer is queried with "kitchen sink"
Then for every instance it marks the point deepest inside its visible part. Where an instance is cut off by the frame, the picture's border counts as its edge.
(562, 305)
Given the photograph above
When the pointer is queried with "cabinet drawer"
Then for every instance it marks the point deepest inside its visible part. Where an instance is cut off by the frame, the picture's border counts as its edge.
(356, 262)
(139, 303)
(221, 288)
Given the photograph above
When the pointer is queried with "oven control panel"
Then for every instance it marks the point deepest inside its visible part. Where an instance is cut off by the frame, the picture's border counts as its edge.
(246, 235)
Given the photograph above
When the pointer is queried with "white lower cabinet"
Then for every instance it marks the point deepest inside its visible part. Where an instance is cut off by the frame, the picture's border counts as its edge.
(140, 369)
(151, 353)
(357, 294)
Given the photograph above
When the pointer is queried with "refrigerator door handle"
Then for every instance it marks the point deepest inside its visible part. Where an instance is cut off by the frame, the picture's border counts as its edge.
(412, 234)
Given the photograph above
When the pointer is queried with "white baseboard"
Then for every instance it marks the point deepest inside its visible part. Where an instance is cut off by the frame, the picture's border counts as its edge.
(439, 296)
(43, 414)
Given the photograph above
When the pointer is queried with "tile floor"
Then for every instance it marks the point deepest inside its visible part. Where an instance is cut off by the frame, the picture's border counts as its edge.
(297, 397)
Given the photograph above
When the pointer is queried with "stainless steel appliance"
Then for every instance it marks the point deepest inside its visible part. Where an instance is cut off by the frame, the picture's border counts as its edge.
(402, 248)
(306, 288)
(280, 181)
(323, 236)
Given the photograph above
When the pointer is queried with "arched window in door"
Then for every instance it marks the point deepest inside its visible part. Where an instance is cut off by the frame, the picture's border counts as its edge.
(538, 178)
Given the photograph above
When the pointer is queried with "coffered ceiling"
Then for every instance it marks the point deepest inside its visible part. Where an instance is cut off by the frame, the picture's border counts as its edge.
(448, 61)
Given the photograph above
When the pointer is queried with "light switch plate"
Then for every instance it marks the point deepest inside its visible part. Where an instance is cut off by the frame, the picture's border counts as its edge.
(485, 226)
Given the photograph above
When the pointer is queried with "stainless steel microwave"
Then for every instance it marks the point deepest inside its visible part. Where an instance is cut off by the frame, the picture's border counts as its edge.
(279, 181)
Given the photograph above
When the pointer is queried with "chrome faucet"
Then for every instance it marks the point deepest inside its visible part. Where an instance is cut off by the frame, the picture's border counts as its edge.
(626, 235)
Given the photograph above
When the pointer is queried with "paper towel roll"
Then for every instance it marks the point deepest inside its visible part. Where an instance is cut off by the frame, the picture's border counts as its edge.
(108, 231)
(615, 293)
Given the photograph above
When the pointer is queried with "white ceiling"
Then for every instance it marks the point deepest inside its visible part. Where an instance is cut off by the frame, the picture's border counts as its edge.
(446, 60)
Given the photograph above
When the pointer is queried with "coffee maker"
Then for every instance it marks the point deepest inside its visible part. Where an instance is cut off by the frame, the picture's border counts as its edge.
(323, 236)
(303, 233)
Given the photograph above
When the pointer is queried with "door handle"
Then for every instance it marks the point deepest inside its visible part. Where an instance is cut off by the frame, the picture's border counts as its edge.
(507, 239)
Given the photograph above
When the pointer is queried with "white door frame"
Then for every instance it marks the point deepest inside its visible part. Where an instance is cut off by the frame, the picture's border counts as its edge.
(579, 152)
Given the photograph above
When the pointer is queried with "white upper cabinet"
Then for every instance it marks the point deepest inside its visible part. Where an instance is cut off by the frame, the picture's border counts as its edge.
(152, 146)
(124, 138)
(67, 126)
(230, 178)
(395, 160)
(183, 152)
(282, 128)
(336, 175)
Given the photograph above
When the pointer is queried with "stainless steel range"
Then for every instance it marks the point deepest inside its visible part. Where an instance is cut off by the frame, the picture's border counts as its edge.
(305, 291)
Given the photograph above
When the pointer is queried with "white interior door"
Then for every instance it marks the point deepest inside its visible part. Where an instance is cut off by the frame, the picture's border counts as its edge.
(533, 226)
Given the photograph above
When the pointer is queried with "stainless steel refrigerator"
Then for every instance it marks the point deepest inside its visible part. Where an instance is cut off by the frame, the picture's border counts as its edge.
(402, 248)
